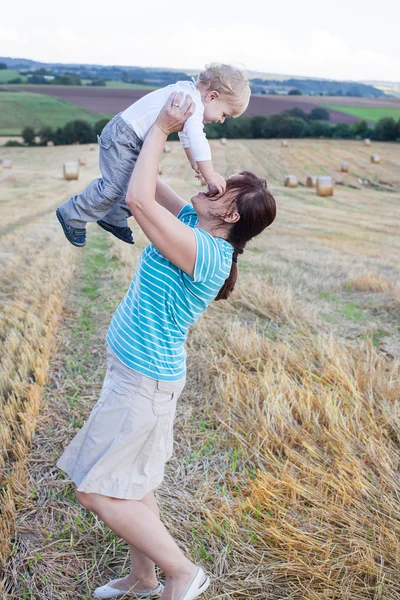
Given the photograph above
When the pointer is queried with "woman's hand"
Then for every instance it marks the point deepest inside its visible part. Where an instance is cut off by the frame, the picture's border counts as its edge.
(172, 117)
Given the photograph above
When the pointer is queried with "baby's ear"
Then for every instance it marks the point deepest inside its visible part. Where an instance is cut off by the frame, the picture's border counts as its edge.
(213, 95)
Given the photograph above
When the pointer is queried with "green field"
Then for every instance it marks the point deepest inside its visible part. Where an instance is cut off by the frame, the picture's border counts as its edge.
(367, 113)
(19, 109)
(7, 74)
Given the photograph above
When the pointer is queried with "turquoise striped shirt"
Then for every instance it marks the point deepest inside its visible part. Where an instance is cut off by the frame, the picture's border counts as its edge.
(149, 328)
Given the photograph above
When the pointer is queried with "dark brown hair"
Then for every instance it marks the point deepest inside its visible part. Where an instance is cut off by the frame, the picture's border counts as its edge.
(257, 209)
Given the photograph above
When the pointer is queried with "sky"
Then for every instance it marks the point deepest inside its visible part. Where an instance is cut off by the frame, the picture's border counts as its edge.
(336, 40)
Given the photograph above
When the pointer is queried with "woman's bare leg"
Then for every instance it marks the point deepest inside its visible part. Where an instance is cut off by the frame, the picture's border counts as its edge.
(142, 567)
(136, 523)
(143, 574)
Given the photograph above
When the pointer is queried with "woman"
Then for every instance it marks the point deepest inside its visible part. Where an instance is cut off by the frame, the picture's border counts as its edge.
(117, 459)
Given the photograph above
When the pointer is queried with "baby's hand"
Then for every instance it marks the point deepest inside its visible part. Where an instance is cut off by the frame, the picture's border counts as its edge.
(218, 182)
(195, 167)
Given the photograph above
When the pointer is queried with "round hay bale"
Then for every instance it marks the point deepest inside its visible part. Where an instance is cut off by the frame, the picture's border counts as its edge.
(324, 186)
(284, 143)
(167, 148)
(291, 181)
(375, 159)
(7, 163)
(160, 171)
(344, 167)
(50, 144)
(92, 147)
(311, 181)
(223, 141)
(81, 161)
(71, 170)
(367, 142)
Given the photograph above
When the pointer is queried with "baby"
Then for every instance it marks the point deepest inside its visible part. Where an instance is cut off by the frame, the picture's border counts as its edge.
(220, 91)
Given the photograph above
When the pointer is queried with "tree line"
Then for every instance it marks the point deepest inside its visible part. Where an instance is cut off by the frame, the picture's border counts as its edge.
(74, 132)
(289, 124)
(293, 124)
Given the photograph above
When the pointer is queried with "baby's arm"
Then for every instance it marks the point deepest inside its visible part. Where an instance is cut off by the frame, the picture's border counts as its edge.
(196, 142)
(190, 158)
(185, 145)
(211, 177)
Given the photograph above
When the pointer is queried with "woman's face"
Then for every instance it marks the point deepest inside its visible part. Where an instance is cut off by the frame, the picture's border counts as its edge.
(205, 206)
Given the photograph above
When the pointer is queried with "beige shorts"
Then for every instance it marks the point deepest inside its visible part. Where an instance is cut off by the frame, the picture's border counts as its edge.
(122, 448)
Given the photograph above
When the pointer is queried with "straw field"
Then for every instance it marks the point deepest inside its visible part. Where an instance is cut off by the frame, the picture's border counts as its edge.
(285, 476)
(35, 271)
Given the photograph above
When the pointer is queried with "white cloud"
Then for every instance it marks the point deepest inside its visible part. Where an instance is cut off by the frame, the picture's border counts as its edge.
(9, 37)
(317, 53)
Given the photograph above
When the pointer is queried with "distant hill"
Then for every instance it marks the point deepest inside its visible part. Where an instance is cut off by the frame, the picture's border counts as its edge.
(261, 83)
(316, 87)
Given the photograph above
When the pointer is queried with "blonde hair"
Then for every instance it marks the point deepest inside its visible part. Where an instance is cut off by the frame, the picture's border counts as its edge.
(230, 82)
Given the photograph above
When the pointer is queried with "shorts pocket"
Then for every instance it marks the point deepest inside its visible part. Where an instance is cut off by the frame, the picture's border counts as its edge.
(124, 386)
(165, 396)
(104, 141)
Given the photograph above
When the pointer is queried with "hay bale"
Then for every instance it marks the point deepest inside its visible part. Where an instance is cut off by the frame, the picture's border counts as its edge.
(7, 163)
(284, 144)
(344, 167)
(311, 181)
(223, 141)
(92, 147)
(324, 186)
(71, 170)
(160, 171)
(81, 161)
(167, 148)
(375, 159)
(291, 181)
(367, 142)
(50, 144)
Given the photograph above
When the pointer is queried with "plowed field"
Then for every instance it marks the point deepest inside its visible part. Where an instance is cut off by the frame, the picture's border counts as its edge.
(112, 101)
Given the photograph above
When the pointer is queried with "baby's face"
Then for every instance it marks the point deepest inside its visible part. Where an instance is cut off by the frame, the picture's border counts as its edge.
(216, 108)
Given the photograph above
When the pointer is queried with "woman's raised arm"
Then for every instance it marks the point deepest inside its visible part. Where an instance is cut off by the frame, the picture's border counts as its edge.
(168, 198)
(175, 240)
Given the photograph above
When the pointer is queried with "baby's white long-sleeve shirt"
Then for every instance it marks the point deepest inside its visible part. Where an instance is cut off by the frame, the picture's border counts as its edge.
(142, 114)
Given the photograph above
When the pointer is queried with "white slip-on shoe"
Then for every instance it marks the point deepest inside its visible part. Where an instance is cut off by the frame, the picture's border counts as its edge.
(106, 591)
(195, 589)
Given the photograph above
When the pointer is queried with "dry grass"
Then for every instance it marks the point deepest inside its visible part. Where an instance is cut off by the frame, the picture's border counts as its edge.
(311, 453)
(32, 285)
(285, 477)
(35, 185)
(371, 282)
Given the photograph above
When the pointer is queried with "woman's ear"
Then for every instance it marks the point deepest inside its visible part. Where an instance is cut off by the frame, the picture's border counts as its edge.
(232, 217)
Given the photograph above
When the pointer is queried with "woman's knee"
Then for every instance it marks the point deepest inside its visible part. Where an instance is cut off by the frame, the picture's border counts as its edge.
(85, 499)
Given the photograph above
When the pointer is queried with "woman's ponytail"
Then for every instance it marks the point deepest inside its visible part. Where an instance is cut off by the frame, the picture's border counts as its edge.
(229, 284)
(257, 209)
